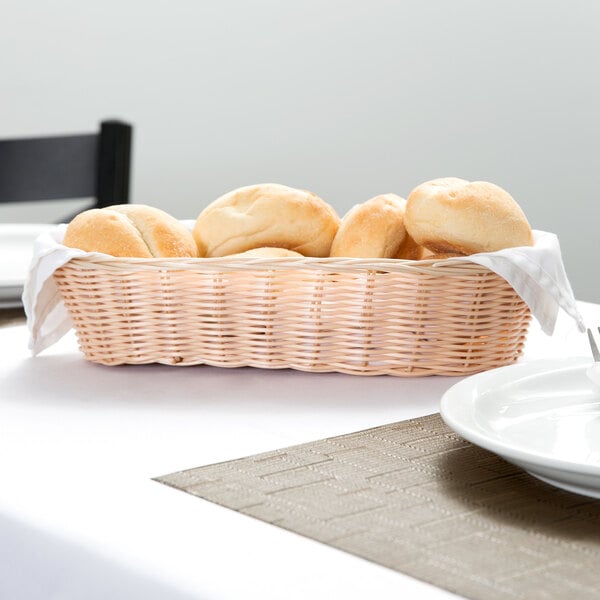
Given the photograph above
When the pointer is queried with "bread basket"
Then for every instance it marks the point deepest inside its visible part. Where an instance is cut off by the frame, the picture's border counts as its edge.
(356, 316)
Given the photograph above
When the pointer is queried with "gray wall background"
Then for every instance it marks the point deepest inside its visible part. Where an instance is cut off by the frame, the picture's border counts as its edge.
(348, 99)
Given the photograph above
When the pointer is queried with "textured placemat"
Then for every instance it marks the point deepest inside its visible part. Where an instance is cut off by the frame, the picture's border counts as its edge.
(417, 498)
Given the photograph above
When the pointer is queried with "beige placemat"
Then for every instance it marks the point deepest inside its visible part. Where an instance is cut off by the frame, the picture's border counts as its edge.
(417, 498)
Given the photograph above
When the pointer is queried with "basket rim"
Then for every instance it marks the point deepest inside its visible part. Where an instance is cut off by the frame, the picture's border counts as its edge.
(455, 265)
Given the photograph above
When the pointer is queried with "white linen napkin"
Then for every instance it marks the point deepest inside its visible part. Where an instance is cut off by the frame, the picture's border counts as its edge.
(537, 274)
(47, 317)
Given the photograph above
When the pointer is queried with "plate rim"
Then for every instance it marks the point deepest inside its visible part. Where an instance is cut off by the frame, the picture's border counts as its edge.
(477, 436)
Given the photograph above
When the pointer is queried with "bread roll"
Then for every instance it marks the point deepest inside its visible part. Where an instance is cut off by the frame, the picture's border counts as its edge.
(409, 249)
(268, 253)
(266, 215)
(373, 229)
(130, 230)
(455, 215)
(439, 256)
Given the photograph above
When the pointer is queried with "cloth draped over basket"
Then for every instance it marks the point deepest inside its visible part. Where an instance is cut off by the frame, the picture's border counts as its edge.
(359, 316)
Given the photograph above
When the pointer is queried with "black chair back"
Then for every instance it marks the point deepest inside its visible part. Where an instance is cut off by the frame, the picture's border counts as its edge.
(67, 167)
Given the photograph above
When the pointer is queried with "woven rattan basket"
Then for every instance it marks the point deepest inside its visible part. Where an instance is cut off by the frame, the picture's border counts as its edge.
(364, 317)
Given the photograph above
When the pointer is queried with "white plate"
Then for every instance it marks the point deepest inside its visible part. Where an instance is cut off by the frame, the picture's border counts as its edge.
(16, 246)
(543, 416)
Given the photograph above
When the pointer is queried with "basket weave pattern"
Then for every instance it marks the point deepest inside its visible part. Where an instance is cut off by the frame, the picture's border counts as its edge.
(357, 316)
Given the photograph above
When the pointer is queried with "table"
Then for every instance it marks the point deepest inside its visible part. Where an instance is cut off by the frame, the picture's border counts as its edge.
(81, 517)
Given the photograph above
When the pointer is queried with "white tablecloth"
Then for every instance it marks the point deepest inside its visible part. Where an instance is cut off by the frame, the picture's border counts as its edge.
(80, 516)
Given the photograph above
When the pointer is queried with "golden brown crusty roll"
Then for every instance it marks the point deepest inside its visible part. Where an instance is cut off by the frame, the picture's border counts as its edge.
(267, 214)
(130, 230)
(373, 229)
(439, 255)
(268, 252)
(455, 215)
(409, 249)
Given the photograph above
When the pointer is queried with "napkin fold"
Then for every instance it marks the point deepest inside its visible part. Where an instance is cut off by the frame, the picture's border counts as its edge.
(536, 273)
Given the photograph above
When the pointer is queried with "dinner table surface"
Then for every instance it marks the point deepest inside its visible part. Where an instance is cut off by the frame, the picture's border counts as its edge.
(81, 515)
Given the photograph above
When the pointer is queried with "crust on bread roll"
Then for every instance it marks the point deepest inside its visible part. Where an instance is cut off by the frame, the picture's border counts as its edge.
(440, 256)
(373, 229)
(409, 249)
(130, 230)
(455, 215)
(268, 252)
(267, 214)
